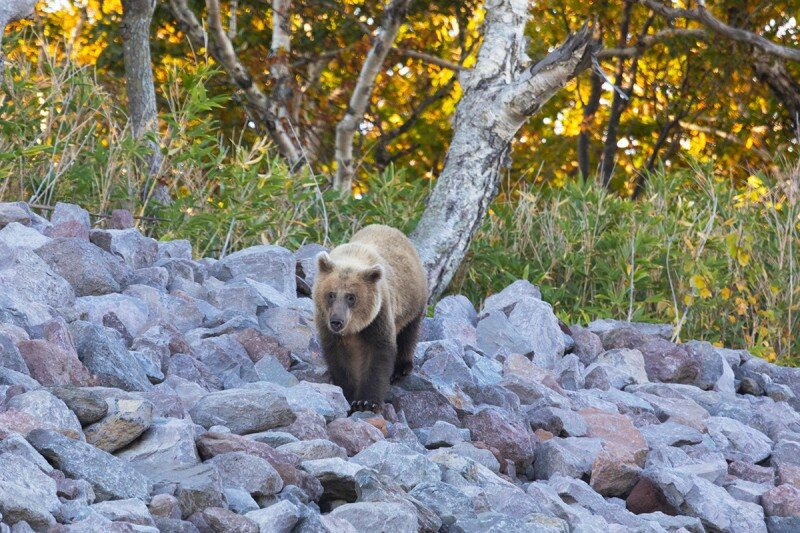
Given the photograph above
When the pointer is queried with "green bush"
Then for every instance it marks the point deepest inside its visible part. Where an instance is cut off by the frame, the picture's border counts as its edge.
(719, 261)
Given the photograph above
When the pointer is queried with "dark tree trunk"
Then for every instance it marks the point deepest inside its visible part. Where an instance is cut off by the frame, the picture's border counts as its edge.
(584, 163)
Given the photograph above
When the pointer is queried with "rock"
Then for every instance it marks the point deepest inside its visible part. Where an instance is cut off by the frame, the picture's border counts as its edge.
(614, 472)
(680, 410)
(10, 357)
(107, 358)
(70, 212)
(12, 212)
(268, 264)
(27, 277)
(449, 503)
(398, 463)
(604, 326)
(506, 299)
(134, 248)
(445, 434)
(243, 410)
(178, 249)
(751, 472)
(572, 457)
(167, 444)
(111, 478)
(51, 364)
(337, 476)
(711, 364)
(259, 345)
(224, 521)
(196, 487)
(530, 328)
(479, 455)
(26, 493)
(240, 501)
(46, 407)
(783, 500)
(314, 449)
(424, 408)
(646, 497)
(271, 370)
(377, 516)
(165, 505)
(87, 406)
(15, 235)
(126, 421)
(587, 344)
(616, 432)
(238, 470)
(747, 491)
(695, 496)
(670, 434)
(664, 361)
(226, 359)
(16, 444)
(90, 270)
(508, 434)
(738, 441)
(131, 511)
(783, 524)
(308, 425)
(353, 435)
(559, 422)
(280, 517)
(624, 367)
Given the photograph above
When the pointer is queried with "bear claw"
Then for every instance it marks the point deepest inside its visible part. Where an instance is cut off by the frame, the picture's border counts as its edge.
(363, 405)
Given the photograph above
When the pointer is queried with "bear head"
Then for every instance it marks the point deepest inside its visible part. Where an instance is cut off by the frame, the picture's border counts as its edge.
(347, 294)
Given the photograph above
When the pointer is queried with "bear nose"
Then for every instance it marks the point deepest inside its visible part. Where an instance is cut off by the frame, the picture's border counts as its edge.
(337, 325)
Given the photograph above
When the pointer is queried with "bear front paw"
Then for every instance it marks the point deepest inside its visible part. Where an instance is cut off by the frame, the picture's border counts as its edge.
(363, 405)
(401, 370)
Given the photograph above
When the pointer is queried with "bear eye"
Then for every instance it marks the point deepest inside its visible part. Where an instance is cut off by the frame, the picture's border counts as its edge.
(331, 296)
(351, 299)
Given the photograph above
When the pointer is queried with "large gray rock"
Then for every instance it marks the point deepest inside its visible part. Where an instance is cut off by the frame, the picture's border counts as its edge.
(738, 441)
(624, 367)
(280, 517)
(27, 277)
(506, 299)
(106, 357)
(399, 463)
(26, 493)
(670, 434)
(239, 470)
(134, 248)
(572, 457)
(530, 328)
(44, 406)
(243, 410)
(449, 503)
(664, 360)
(89, 269)
(694, 496)
(337, 476)
(10, 357)
(167, 444)
(14, 212)
(130, 511)
(503, 430)
(110, 477)
(16, 444)
(225, 357)
(15, 235)
(308, 450)
(270, 264)
(378, 516)
(196, 487)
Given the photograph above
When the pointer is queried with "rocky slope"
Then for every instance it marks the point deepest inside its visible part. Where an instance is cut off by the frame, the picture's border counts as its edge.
(143, 390)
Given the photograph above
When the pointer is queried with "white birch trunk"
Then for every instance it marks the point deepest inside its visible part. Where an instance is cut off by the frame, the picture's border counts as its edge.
(393, 17)
(499, 94)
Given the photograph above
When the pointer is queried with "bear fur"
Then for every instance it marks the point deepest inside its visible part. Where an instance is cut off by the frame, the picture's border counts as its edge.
(370, 297)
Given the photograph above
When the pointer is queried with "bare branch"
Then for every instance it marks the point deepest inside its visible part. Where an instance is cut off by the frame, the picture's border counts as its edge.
(650, 40)
(707, 19)
(393, 17)
(429, 58)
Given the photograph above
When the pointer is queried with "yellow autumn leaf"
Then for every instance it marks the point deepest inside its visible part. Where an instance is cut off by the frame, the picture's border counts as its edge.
(742, 257)
(725, 293)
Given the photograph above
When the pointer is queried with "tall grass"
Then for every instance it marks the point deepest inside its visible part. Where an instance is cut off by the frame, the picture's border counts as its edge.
(718, 261)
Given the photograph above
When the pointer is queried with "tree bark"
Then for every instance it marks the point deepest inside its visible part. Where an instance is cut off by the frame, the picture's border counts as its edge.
(10, 11)
(772, 71)
(135, 30)
(499, 95)
(584, 164)
(359, 101)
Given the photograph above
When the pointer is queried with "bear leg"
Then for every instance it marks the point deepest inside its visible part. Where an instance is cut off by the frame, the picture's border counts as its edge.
(406, 343)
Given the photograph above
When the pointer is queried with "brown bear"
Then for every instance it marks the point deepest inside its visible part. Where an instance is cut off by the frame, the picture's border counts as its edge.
(370, 296)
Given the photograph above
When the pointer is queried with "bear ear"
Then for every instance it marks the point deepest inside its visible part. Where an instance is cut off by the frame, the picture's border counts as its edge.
(324, 263)
(373, 273)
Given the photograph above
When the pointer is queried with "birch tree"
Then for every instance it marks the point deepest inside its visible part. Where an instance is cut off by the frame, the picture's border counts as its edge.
(137, 16)
(499, 94)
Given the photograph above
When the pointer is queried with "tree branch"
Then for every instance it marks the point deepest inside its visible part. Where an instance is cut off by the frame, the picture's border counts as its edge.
(706, 18)
(345, 131)
(650, 40)
(429, 58)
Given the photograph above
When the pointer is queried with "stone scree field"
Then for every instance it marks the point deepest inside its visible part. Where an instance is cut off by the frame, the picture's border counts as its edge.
(143, 390)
